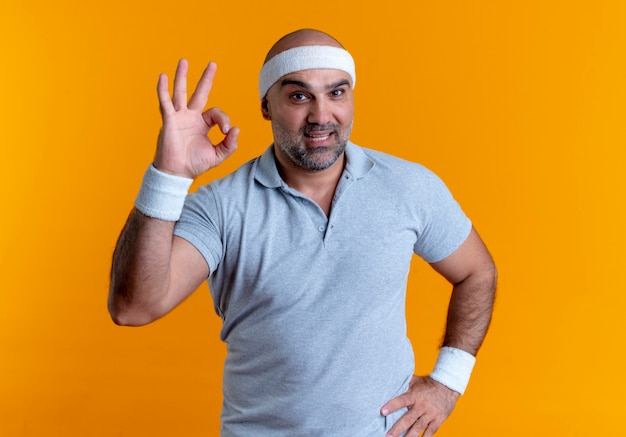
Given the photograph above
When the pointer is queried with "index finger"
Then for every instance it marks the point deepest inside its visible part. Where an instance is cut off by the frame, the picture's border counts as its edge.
(401, 401)
(201, 93)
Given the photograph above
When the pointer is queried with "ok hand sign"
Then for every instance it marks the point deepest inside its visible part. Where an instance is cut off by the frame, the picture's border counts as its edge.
(183, 148)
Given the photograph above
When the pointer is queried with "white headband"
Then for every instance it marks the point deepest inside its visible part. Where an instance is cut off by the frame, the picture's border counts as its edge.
(305, 58)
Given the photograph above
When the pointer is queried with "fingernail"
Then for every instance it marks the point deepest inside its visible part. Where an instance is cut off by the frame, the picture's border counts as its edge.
(385, 412)
(226, 128)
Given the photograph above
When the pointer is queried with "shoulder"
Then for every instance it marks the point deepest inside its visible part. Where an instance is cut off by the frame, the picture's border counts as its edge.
(213, 199)
(394, 170)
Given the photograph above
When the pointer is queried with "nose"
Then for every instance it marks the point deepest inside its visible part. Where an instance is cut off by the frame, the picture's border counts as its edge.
(320, 112)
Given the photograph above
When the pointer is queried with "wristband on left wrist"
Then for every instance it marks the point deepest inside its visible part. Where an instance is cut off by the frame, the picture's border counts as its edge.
(453, 368)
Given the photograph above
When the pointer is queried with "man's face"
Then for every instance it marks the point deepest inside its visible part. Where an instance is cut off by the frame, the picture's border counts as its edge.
(311, 113)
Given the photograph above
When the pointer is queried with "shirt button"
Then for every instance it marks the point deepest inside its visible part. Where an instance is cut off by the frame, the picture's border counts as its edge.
(322, 228)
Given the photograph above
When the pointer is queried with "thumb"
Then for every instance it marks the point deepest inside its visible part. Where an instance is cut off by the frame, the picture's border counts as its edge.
(228, 145)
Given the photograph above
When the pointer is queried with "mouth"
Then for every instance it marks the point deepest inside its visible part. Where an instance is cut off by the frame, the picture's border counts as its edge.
(318, 137)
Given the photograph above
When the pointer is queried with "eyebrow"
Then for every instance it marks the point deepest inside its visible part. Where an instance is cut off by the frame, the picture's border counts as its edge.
(306, 86)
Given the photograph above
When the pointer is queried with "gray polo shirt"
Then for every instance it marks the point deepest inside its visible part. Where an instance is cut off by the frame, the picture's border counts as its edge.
(313, 307)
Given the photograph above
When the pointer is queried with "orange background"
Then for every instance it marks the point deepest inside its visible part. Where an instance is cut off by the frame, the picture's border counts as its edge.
(517, 105)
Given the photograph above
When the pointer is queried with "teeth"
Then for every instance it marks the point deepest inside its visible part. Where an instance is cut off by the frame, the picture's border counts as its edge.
(325, 137)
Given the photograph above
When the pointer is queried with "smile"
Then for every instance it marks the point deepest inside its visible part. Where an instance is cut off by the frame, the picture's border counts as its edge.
(319, 138)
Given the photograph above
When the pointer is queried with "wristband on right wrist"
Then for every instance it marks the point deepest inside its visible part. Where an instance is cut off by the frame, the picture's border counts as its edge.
(162, 195)
(454, 368)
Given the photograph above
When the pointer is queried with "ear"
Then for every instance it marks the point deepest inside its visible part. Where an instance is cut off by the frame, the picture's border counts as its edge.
(265, 109)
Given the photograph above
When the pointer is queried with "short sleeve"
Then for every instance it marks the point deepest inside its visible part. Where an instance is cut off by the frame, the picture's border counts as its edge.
(445, 226)
(199, 224)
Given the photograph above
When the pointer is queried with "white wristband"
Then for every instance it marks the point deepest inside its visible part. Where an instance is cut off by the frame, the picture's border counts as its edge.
(162, 195)
(453, 369)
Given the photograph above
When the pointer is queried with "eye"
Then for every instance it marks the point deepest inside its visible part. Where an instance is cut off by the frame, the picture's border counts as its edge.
(337, 92)
(298, 97)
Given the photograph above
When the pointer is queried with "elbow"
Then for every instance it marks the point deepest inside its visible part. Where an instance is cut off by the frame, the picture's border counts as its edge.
(124, 313)
(488, 280)
(131, 318)
(120, 320)
(487, 273)
(123, 319)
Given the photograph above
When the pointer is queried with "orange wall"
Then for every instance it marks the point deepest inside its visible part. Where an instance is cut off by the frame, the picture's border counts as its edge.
(518, 105)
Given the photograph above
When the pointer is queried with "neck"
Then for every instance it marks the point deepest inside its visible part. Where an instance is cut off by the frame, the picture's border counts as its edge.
(318, 185)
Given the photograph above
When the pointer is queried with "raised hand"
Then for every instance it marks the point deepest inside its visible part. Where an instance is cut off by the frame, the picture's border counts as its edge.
(184, 148)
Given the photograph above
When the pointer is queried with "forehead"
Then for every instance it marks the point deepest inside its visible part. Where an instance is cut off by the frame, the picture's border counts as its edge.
(319, 77)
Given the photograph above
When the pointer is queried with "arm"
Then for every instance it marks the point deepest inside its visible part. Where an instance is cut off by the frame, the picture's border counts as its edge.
(152, 270)
(472, 273)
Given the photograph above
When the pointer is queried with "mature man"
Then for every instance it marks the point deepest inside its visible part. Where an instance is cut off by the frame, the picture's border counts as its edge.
(307, 250)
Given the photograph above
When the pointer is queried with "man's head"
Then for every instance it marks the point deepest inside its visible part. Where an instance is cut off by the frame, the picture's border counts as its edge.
(304, 49)
(306, 88)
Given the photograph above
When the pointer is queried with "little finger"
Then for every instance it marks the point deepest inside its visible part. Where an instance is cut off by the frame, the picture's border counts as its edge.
(165, 102)
(432, 429)
(418, 427)
(404, 424)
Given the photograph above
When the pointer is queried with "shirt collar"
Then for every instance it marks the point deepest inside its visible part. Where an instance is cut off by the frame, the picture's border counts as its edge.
(358, 164)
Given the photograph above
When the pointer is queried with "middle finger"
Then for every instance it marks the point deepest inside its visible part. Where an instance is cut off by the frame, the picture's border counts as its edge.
(180, 85)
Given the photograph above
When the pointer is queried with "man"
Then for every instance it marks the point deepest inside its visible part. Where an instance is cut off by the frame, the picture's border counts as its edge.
(307, 250)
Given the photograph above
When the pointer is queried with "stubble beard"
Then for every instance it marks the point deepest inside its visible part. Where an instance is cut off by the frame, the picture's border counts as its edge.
(311, 158)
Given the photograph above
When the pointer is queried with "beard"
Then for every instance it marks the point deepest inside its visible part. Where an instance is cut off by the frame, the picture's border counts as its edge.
(311, 158)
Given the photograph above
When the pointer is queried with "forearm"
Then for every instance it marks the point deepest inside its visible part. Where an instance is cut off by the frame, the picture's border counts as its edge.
(428, 401)
(140, 270)
(470, 310)
(152, 270)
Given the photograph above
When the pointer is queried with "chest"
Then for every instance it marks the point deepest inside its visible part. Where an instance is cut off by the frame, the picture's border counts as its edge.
(283, 252)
